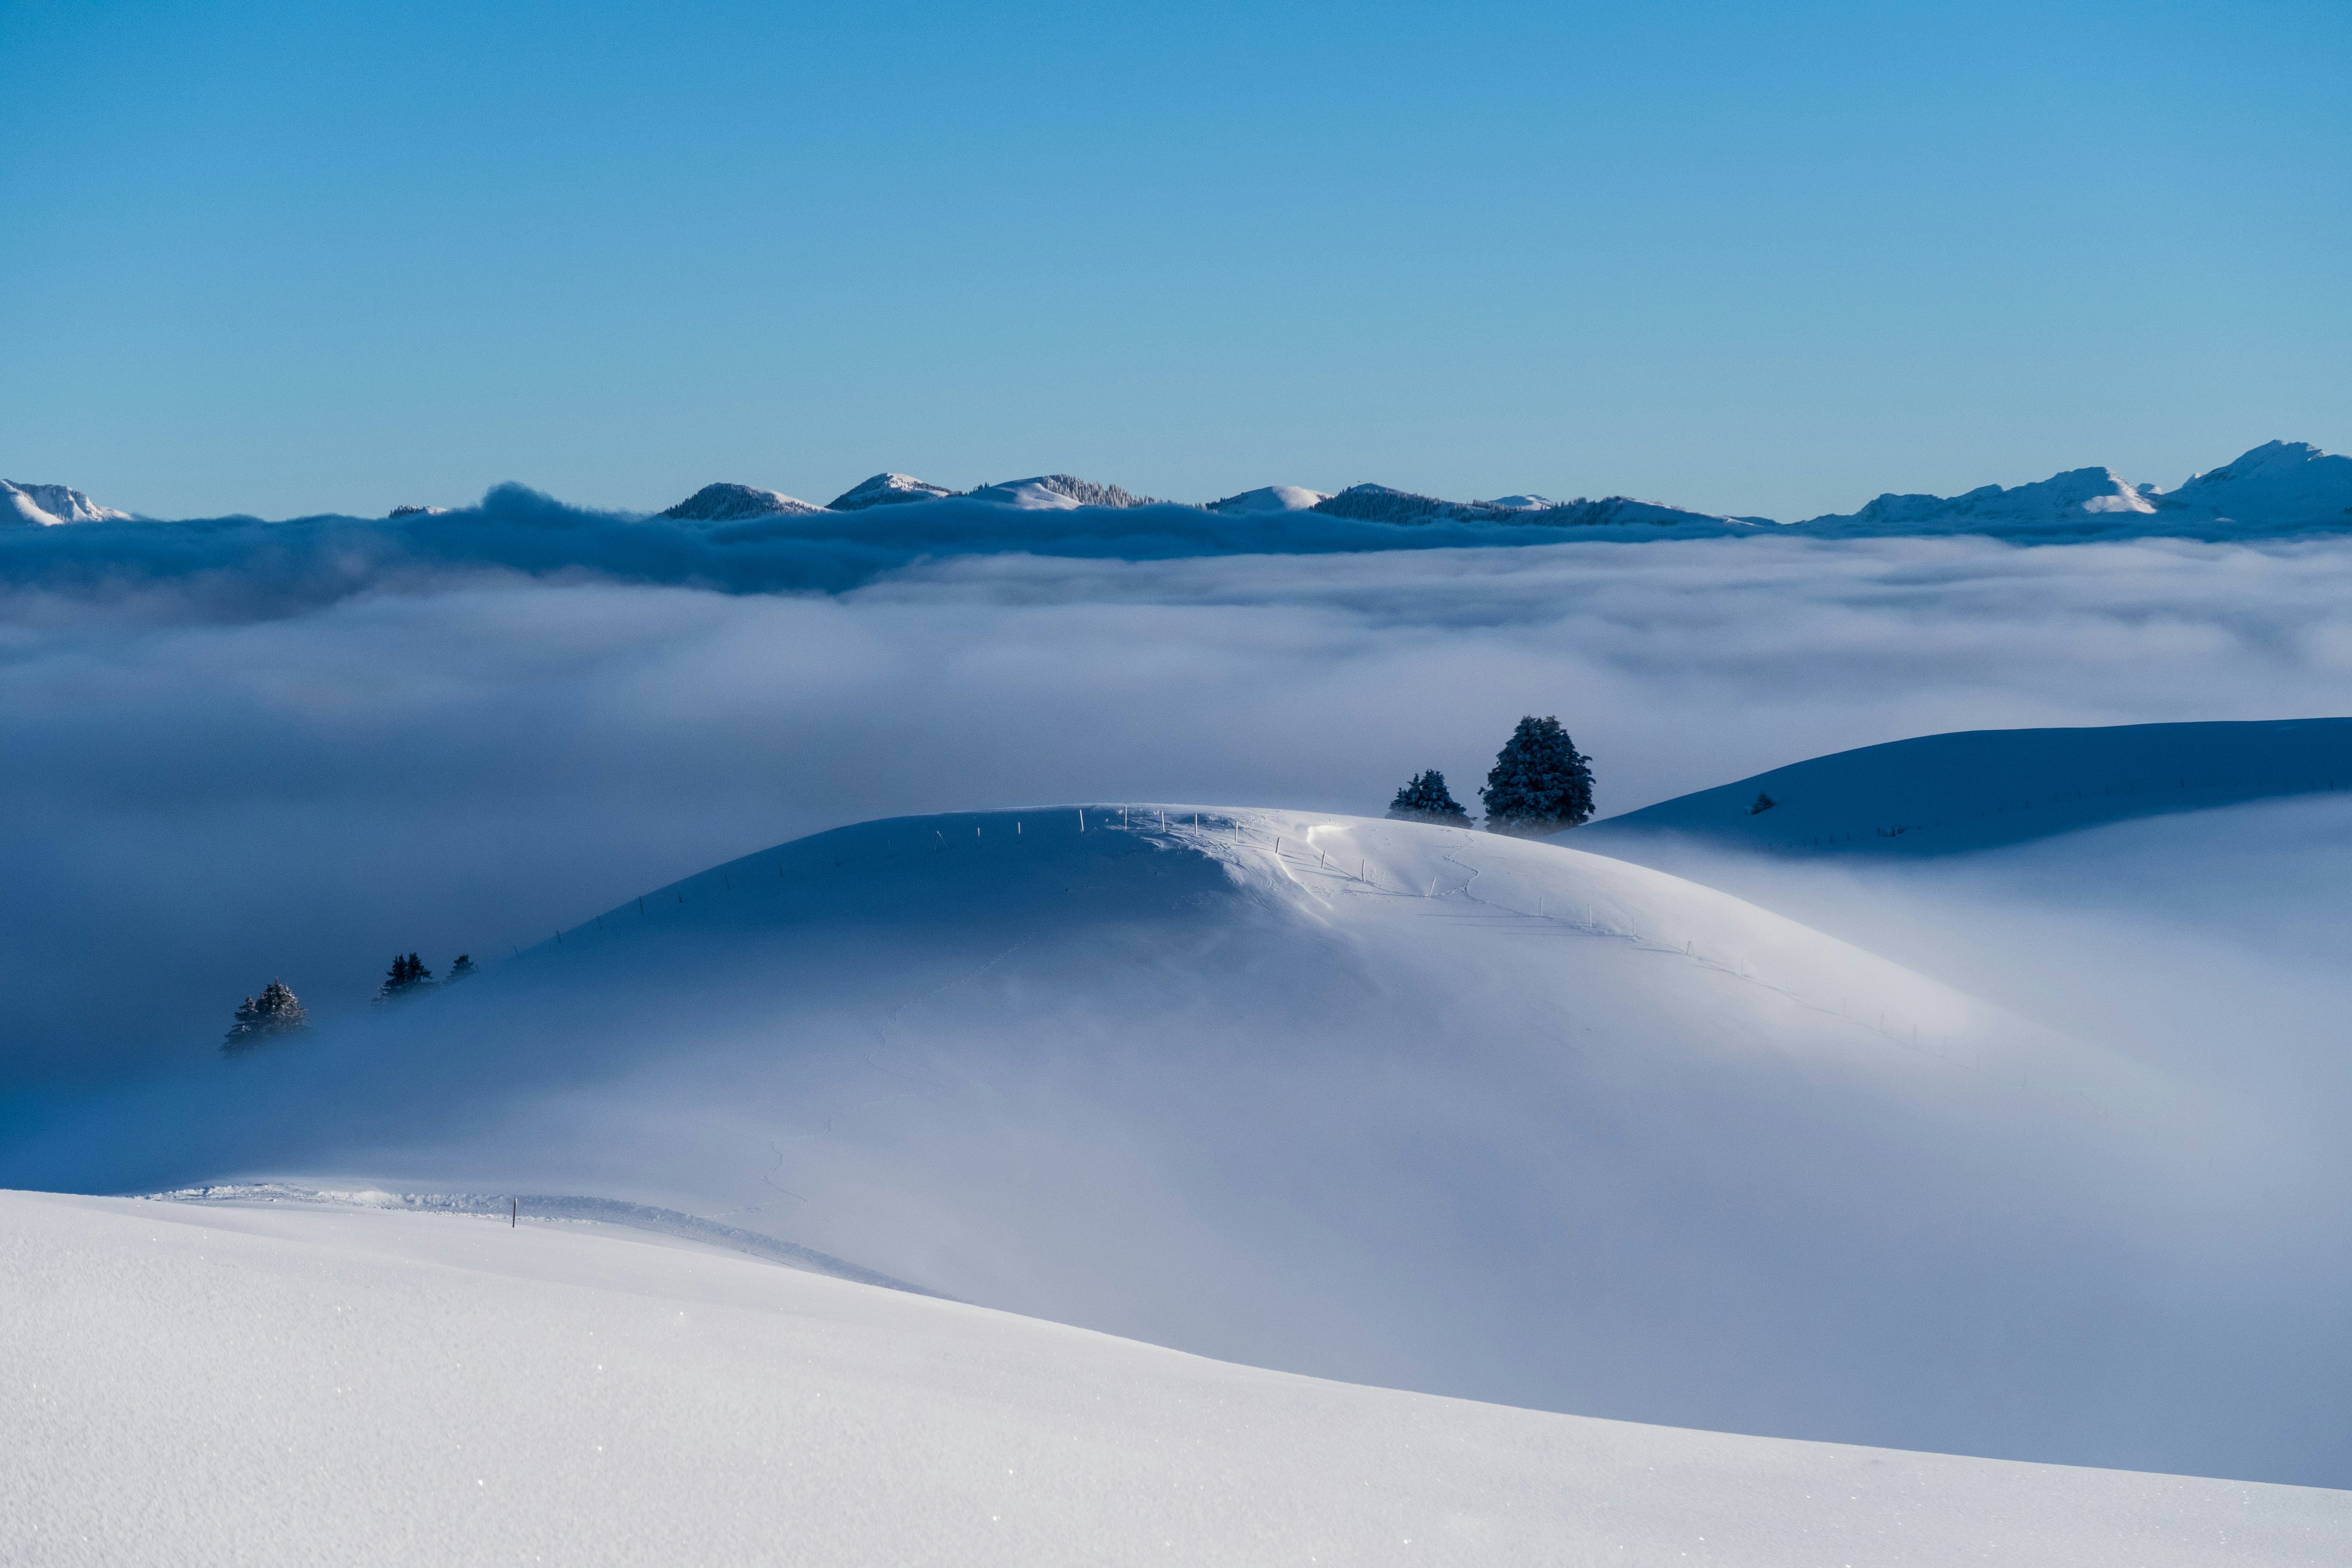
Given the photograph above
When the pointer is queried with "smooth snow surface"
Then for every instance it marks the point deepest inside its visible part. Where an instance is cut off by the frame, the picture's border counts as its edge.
(1401, 1104)
(1942, 795)
(45, 506)
(262, 1386)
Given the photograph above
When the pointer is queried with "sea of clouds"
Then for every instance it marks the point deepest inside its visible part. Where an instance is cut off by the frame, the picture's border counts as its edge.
(241, 751)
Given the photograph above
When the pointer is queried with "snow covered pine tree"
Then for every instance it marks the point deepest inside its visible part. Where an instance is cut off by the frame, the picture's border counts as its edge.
(409, 977)
(460, 968)
(1425, 798)
(1540, 784)
(277, 1011)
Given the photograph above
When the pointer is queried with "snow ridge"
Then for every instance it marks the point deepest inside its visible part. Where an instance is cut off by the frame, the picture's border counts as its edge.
(1379, 503)
(2278, 486)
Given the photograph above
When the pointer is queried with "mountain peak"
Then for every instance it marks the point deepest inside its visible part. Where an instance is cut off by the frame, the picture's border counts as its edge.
(888, 490)
(730, 504)
(1058, 492)
(1269, 498)
(45, 506)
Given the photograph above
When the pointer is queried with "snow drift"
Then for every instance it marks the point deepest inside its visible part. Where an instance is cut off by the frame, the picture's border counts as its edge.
(1388, 1102)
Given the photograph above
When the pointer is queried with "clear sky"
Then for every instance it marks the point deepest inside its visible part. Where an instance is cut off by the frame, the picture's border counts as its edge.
(282, 258)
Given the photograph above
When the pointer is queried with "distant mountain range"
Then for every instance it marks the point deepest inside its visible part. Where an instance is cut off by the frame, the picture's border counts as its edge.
(2280, 488)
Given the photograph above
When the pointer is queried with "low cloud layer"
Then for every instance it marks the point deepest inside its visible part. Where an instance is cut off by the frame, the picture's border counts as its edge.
(217, 774)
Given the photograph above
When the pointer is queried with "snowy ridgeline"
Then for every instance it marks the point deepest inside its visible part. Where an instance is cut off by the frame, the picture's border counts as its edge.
(1392, 1103)
(258, 1386)
(1946, 794)
(2280, 488)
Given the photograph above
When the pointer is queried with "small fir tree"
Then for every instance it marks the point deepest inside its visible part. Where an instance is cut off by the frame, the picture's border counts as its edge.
(1763, 803)
(1540, 784)
(408, 977)
(1425, 798)
(460, 968)
(276, 1013)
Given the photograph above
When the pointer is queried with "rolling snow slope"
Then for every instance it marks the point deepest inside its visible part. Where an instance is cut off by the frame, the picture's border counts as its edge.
(1382, 1101)
(260, 1385)
(1972, 790)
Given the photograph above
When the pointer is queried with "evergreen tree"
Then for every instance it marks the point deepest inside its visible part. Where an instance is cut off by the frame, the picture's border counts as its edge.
(460, 968)
(276, 1012)
(1763, 803)
(408, 977)
(1540, 784)
(1425, 798)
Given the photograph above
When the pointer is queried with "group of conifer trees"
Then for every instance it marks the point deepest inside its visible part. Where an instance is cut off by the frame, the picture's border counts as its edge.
(1540, 784)
(278, 1013)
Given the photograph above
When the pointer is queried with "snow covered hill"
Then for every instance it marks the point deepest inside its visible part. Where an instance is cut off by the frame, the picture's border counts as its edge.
(1382, 1101)
(1270, 498)
(1941, 795)
(888, 489)
(733, 503)
(45, 506)
(269, 1384)
(1057, 493)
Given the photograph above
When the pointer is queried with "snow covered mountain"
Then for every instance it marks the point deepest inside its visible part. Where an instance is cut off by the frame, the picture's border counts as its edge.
(733, 503)
(1943, 794)
(2278, 484)
(45, 506)
(888, 489)
(2281, 487)
(1378, 503)
(2066, 500)
(1270, 499)
(440, 1389)
(1387, 1102)
(1057, 493)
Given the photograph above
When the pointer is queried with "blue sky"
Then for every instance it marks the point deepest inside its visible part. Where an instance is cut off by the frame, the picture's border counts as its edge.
(287, 258)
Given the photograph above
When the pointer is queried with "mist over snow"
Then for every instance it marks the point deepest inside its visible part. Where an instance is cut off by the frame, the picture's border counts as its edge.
(218, 775)
(229, 764)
